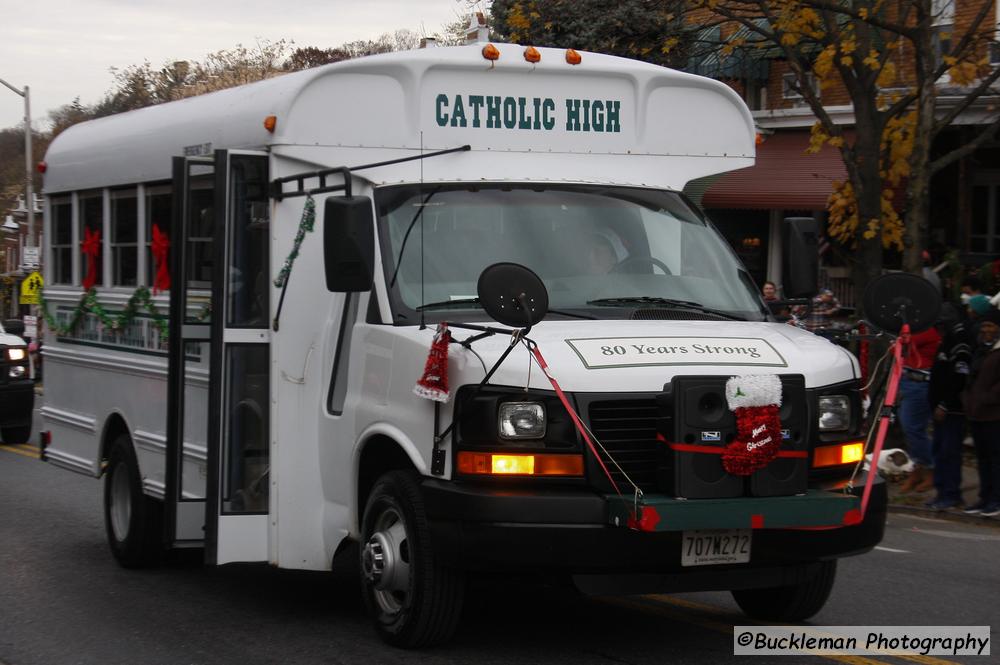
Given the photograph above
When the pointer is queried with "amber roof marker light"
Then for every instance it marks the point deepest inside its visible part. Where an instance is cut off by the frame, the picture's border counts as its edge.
(491, 53)
(270, 122)
(573, 57)
(532, 55)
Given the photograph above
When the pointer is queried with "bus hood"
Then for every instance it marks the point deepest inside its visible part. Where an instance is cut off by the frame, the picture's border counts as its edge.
(642, 356)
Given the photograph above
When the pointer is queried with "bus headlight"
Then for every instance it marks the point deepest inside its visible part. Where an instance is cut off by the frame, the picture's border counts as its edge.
(521, 420)
(17, 353)
(17, 372)
(834, 413)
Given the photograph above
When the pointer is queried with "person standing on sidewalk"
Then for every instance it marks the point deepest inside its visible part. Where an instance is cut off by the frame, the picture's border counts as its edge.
(914, 410)
(948, 375)
(982, 407)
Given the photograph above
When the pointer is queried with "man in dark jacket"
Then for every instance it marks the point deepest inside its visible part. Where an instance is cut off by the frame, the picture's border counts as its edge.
(982, 408)
(948, 375)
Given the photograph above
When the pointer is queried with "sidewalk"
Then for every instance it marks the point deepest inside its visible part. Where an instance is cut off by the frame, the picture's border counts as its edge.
(913, 502)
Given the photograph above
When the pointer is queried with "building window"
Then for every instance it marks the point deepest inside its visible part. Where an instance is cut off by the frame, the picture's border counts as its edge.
(943, 25)
(984, 231)
(124, 238)
(159, 211)
(92, 221)
(790, 86)
(62, 241)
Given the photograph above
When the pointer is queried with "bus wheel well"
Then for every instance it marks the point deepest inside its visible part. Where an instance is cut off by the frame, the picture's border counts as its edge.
(113, 428)
(380, 455)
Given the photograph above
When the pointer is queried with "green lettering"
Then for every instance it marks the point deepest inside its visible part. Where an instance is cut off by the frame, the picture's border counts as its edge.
(611, 123)
(597, 116)
(442, 103)
(476, 102)
(548, 106)
(493, 112)
(524, 121)
(458, 113)
(509, 113)
(572, 115)
(537, 113)
(586, 115)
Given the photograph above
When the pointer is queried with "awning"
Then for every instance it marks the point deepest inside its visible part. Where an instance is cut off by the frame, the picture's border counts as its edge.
(785, 177)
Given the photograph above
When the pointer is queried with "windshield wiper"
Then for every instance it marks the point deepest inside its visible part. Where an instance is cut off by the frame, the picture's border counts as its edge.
(662, 302)
(459, 302)
(444, 304)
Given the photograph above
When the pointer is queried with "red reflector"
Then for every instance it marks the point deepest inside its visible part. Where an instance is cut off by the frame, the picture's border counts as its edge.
(46, 438)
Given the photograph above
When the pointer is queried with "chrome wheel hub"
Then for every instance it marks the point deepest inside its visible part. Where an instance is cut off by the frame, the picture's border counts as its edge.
(385, 562)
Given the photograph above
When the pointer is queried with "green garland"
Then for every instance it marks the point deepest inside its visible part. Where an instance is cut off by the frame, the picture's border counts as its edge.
(305, 226)
(89, 303)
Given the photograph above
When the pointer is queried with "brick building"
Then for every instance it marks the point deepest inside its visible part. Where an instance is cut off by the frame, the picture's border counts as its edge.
(748, 205)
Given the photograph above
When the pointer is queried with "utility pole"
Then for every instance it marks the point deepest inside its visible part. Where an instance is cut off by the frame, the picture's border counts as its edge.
(29, 199)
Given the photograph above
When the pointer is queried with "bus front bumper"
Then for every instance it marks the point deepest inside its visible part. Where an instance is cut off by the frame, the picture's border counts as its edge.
(568, 530)
(17, 400)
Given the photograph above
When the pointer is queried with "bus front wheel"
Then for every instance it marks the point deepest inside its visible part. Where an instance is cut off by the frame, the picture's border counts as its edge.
(132, 521)
(413, 600)
(796, 602)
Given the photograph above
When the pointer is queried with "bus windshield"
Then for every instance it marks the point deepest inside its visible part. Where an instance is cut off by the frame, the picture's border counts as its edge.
(602, 252)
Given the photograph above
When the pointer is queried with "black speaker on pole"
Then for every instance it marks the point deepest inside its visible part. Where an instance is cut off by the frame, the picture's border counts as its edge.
(702, 419)
(786, 476)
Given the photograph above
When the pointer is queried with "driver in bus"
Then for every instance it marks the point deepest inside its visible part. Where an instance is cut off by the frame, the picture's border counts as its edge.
(605, 251)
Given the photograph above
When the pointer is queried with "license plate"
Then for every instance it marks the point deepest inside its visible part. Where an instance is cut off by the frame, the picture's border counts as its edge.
(715, 546)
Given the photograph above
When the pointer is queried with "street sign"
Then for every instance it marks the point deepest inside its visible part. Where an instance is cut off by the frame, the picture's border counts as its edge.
(31, 327)
(29, 257)
(31, 289)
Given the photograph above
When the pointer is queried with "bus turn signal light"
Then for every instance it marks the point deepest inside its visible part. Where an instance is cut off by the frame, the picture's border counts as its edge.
(500, 464)
(844, 453)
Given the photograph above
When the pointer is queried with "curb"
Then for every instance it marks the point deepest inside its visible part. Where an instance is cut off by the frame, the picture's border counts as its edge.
(946, 515)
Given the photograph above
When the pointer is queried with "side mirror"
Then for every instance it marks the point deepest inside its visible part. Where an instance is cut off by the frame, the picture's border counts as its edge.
(800, 257)
(349, 243)
(14, 327)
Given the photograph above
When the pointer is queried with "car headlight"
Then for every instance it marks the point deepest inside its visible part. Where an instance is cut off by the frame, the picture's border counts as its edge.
(16, 353)
(521, 420)
(834, 413)
(17, 372)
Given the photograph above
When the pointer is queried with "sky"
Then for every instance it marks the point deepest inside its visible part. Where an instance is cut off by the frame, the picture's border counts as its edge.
(64, 49)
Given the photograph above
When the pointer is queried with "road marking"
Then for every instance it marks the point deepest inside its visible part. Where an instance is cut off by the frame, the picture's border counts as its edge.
(981, 537)
(714, 609)
(32, 453)
(891, 549)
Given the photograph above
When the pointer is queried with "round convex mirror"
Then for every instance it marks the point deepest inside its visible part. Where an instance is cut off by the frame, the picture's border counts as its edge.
(897, 298)
(513, 295)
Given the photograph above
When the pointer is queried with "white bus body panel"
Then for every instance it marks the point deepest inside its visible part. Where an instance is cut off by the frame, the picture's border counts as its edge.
(673, 127)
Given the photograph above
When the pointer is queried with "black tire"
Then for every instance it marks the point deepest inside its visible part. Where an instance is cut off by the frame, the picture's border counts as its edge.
(789, 603)
(417, 603)
(133, 521)
(12, 435)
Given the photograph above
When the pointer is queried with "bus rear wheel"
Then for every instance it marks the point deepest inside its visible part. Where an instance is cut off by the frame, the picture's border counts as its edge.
(797, 602)
(12, 435)
(413, 600)
(132, 521)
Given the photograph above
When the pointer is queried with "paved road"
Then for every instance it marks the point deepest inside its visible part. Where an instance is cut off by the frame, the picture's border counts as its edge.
(64, 601)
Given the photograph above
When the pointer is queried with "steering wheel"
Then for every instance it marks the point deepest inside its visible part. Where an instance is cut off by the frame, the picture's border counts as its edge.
(633, 260)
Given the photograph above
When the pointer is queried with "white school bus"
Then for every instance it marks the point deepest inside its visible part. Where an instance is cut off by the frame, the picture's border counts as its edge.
(241, 372)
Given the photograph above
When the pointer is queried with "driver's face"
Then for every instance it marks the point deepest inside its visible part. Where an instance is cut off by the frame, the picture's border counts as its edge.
(601, 259)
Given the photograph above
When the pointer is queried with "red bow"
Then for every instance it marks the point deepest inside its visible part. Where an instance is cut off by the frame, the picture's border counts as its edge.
(160, 246)
(91, 247)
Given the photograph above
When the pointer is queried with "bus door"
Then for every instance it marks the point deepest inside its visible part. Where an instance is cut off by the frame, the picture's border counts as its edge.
(224, 236)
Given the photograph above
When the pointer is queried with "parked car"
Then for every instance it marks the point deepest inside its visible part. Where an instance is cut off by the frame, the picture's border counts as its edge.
(17, 384)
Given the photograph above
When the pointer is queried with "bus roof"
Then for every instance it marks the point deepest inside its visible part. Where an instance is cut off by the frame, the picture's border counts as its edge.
(607, 119)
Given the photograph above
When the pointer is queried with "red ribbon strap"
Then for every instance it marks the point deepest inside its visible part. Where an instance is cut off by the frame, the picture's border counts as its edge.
(160, 248)
(91, 248)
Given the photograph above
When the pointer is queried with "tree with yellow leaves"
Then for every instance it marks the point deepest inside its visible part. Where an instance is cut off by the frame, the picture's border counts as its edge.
(892, 59)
